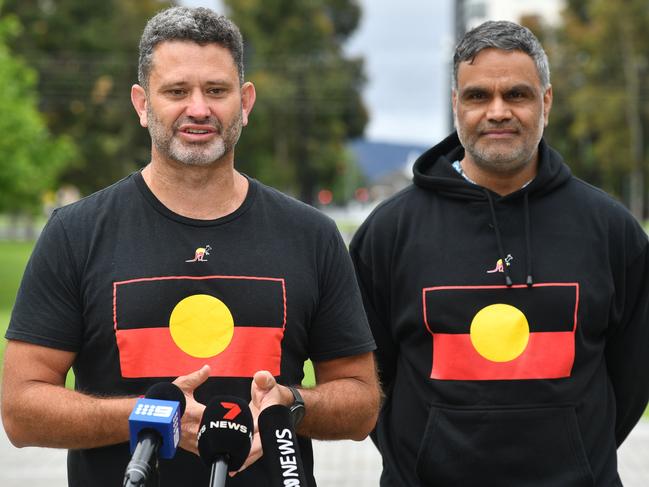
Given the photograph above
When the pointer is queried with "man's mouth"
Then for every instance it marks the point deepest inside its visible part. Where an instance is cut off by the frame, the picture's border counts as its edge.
(499, 134)
(197, 129)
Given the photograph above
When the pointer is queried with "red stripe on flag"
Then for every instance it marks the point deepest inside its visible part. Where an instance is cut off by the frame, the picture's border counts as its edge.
(151, 352)
(548, 355)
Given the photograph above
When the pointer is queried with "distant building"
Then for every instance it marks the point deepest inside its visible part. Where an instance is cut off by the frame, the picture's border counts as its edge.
(387, 167)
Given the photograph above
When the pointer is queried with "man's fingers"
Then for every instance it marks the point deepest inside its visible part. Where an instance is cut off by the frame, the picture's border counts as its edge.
(264, 380)
(191, 381)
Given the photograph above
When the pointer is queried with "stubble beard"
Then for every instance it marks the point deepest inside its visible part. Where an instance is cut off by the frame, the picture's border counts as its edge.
(193, 154)
(499, 157)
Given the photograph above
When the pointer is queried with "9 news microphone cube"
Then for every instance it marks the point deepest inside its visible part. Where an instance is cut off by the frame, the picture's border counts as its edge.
(158, 415)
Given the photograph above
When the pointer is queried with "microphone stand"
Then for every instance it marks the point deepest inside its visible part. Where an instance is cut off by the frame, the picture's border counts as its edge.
(219, 471)
(143, 474)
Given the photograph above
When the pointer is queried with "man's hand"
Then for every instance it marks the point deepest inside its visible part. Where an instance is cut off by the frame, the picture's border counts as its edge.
(191, 419)
(264, 392)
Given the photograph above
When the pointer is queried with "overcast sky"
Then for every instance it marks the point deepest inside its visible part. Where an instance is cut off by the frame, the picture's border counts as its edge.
(406, 45)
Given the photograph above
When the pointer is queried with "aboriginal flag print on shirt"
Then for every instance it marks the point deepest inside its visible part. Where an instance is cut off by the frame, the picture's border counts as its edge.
(170, 326)
(501, 333)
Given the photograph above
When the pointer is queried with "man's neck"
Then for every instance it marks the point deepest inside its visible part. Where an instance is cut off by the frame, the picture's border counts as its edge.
(199, 192)
(500, 183)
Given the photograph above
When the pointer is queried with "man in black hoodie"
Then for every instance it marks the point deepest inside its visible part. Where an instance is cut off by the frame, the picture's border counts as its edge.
(508, 299)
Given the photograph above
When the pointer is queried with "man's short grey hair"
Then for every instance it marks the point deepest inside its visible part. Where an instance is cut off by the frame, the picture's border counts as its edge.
(502, 35)
(200, 25)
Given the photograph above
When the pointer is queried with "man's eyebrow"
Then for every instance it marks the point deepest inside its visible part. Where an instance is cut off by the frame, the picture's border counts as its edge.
(471, 90)
(219, 82)
(521, 87)
(173, 84)
(182, 83)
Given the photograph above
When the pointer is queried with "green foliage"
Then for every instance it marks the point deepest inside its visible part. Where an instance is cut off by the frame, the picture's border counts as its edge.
(32, 158)
(308, 93)
(85, 54)
(600, 116)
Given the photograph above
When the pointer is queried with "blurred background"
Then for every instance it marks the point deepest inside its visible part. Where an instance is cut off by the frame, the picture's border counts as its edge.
(349, 94)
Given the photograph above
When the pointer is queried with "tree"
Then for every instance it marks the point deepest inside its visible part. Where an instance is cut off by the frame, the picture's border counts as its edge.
(601, 109)
(31, 157)
(308, 93)
(85, 54)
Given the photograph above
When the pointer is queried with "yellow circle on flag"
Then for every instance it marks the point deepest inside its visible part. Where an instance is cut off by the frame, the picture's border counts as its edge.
(500, 332)
(201, 325)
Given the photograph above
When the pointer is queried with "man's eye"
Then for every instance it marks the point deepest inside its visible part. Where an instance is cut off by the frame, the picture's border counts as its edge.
(215, 91)
(176, 92)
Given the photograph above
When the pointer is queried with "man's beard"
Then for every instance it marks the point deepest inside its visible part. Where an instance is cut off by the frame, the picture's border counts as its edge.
(499, 158)
(193, 154)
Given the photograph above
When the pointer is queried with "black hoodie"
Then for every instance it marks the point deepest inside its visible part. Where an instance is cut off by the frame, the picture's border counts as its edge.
(512, 332)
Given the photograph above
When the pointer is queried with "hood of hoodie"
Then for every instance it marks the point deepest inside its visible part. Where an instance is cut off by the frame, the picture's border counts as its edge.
(433, 170)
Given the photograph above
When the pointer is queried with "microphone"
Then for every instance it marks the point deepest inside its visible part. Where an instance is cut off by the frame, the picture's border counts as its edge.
(281, 449)
(225, 436)
(154, 427)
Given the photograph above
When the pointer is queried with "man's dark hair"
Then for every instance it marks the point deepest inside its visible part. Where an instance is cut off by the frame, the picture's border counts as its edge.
(502, 35)
(200, 25)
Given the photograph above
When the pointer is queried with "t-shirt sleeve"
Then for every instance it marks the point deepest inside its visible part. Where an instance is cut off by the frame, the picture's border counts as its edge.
(340, 327)
(48, 307)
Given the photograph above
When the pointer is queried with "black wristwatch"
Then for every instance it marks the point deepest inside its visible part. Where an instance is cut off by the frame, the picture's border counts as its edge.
(297, 408)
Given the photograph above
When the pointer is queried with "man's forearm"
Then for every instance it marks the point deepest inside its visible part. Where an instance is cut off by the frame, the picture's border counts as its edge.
(341, 409)
(48, 415)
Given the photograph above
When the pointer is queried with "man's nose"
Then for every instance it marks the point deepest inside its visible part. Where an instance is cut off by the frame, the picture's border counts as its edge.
(498, 110)
(198, 107)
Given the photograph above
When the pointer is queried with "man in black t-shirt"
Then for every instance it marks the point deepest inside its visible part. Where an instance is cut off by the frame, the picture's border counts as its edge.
(187, 271)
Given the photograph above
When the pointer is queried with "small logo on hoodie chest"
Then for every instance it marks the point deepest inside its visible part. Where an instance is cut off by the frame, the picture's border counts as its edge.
(500, 264)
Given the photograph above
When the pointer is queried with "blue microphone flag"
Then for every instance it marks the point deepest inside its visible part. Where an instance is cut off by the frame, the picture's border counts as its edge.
(158, 415)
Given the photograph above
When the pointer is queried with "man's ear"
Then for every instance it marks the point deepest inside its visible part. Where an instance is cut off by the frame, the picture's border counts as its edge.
(139, 101)
(547, 104)
(248, 97)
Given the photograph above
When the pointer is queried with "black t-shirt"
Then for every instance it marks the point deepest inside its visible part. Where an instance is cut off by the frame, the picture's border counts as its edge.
(142, 294)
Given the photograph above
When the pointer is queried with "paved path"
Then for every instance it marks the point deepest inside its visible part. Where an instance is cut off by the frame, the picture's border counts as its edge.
(338, 464)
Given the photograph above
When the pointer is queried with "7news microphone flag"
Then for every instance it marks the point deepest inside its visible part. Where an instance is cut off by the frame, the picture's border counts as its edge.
(281, 450)
(500, 332)
(225, 436)
(154, 430)
(172, 325)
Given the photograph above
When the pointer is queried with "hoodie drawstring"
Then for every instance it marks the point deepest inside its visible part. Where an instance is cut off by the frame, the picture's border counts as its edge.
(528, 239)
(499, 241)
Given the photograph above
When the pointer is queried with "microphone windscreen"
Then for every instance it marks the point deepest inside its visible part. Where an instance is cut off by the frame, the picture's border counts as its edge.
(281, 449)
(167, 391)
(226, 431)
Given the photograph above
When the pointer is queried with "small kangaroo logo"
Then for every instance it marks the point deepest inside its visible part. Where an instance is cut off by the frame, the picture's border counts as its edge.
(199, 255)
(499, 265)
